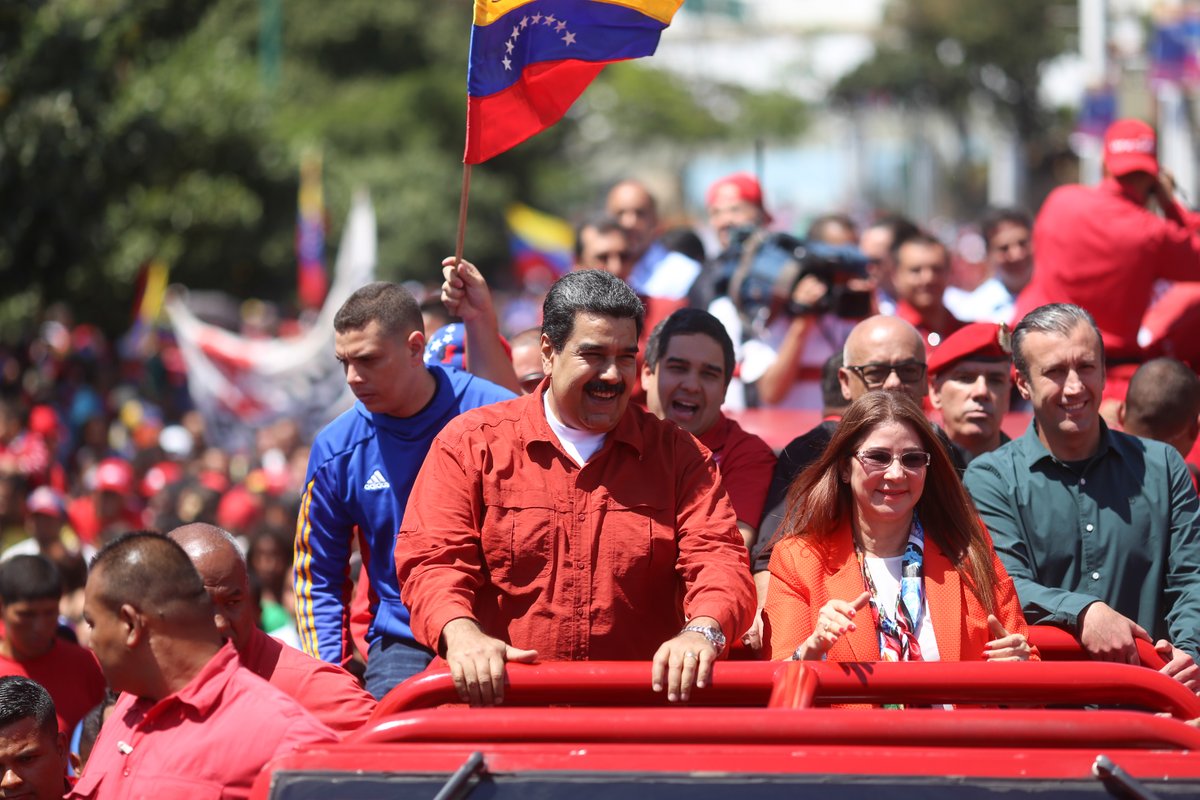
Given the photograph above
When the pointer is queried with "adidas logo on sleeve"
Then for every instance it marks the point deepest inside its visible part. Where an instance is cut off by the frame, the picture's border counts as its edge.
(376, 482)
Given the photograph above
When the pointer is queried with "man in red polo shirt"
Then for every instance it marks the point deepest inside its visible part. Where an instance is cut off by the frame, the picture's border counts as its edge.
(330, 693)
(920, 277)
(30, 589)
(1103, 249)
(689, 363)
(571, 525)
(191, 721)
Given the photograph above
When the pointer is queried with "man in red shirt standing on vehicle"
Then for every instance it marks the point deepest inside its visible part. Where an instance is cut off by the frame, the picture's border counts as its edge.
(1102, 248)
(571, 525)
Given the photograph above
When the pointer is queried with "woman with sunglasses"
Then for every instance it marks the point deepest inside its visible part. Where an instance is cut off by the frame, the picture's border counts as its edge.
(884, 557)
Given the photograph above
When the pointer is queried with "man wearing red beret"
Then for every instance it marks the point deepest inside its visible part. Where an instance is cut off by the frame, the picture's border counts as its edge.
(970, 384)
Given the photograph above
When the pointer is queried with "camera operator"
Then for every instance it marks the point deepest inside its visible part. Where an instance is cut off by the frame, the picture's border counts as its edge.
(790, 304)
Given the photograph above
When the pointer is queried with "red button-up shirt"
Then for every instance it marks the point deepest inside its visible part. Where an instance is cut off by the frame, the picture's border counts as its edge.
(746, 463)
(208, 740)
(1100, 249)
(602, 562)
(330, 694)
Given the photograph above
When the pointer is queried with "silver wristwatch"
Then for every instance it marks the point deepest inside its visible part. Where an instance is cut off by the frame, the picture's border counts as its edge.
(710, 632)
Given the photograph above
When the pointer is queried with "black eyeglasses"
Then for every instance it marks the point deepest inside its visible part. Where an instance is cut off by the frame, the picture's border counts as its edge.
(879, 460)
(876, 375)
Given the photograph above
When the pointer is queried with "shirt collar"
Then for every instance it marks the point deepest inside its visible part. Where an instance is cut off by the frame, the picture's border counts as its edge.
(206, 687)
(535, 428)
(1035, 451)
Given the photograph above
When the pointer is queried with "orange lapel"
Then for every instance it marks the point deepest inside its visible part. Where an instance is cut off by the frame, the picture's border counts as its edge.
(943, 588)
(846, 583)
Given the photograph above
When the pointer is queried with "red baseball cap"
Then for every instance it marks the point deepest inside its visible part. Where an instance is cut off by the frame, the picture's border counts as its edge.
(1130, 146)
(747, 186)
(979, 341)
(113, 475)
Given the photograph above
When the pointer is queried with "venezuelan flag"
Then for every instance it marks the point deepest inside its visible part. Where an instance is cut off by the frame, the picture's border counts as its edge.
(542, 245)
(531, 59)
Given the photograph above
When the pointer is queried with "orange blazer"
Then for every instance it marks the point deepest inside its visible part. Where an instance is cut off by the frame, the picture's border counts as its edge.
(802, 581)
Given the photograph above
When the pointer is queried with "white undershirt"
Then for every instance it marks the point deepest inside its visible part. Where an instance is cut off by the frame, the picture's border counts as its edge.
(885, 573)
(580, 445)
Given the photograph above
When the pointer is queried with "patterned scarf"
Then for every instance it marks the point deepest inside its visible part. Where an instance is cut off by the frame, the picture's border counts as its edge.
(898, 632)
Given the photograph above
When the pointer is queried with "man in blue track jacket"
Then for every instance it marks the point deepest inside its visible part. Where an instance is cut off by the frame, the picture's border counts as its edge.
(360, 471)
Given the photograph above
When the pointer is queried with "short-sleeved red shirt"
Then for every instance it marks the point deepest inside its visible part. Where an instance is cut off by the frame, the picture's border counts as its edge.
(70, 674)
(330, 694)
(208, 740)
(746, 463)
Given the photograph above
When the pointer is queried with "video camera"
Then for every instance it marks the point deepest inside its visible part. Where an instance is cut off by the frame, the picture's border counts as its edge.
(760, 270)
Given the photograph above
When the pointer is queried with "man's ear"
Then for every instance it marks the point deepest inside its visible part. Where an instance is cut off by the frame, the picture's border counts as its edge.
(1022, 385)
(416, 344)
(1121, 414)
(135, 624)
(844, 381)
(935, 399)
(547, 352)
(647, 377)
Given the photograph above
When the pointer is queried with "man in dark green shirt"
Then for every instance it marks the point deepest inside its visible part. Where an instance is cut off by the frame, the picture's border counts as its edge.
(1099, 530)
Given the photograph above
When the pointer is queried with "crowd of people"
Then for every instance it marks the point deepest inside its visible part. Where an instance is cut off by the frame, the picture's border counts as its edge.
(175, 616)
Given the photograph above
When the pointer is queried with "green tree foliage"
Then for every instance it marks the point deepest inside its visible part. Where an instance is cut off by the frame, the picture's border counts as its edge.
(140, 129)
(942, 54)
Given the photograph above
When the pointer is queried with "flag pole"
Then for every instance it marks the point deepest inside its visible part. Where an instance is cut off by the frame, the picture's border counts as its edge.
(462, 215)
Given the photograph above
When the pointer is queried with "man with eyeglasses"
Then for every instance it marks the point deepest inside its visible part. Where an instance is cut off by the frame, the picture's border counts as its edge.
(881, 352)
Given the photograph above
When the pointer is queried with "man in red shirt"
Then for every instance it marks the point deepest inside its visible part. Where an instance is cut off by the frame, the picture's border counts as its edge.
(33, 751)
(30, 589)
(1101, 247)
(330, 693)
(920, 277)
(106, 510)
(569, 524)
(689, 363)
(191, 721)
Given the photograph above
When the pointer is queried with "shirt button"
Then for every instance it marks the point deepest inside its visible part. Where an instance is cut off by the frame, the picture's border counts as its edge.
(1089, 527)
(1083, 481)
(582, 517)
(1095, 576)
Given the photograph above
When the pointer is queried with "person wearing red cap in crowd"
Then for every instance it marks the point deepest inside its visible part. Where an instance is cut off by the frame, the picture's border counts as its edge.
(1103, 249)
(49, 534)
(23, 450)
(970, 383)
(735, 201)
(920, 277)
(106, 509)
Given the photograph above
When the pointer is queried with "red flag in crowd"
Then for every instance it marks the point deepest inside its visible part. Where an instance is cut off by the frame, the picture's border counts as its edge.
(531, 59)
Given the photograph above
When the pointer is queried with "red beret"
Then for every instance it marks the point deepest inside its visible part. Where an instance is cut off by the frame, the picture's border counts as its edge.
(984, 341)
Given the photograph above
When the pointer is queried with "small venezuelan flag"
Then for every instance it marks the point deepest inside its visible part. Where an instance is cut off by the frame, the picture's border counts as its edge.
(531, 59)
(542, 245)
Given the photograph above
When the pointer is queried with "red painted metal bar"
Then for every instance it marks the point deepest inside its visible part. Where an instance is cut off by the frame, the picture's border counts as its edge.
(751, 683)
(966, 728)
(1056, 644)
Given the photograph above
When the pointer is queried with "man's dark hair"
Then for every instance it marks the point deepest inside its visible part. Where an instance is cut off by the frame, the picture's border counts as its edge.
(683, 322)
(1058, 319)
(601, 224)
(832, 398)
(900, 227)
(993, 218)
(25, 578)
(592, 291)
(91, 723)
(23, 698)
(389, 304)
(817, 230)
(917, 236)
(151, 572)
(1163, 398)
(436, 308)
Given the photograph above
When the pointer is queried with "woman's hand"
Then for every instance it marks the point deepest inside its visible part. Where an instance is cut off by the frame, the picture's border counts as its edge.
(1005, 646)
(834, 619)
